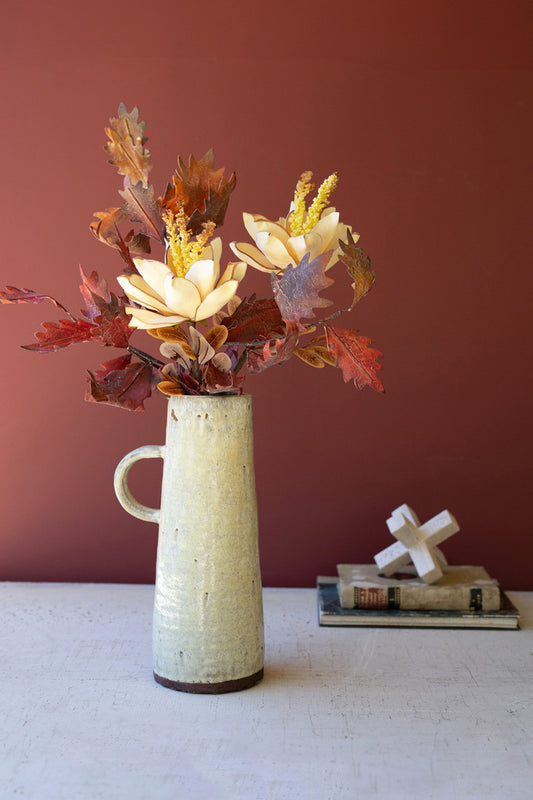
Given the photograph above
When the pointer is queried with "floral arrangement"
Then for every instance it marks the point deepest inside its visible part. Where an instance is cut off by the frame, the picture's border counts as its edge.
(209, 336)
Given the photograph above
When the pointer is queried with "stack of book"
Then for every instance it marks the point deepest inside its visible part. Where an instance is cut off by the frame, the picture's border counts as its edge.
(463, 597)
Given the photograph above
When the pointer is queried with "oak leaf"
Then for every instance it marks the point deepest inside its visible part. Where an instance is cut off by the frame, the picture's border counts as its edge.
(218, 381)
(126, 145)
(57, 335)
(202, 191)
(105, 228)
(254, 320)
(358, 266)
(121, 383)
(273, 353)
(106, 311)
(141, 206)
(13, 295)
(296, 291)
(355, 357)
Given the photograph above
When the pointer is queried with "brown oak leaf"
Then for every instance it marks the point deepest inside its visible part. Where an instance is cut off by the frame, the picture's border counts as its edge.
(358, 266)
(105, 228)
(202, 191)
(141, 206)
(355, 357)
(126, 145)
(296, 291)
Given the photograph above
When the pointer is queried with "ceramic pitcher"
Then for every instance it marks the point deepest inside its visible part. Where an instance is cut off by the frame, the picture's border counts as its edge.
(208, 614)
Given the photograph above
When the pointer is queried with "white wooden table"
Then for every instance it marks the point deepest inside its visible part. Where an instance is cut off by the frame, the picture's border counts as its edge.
(342, 713)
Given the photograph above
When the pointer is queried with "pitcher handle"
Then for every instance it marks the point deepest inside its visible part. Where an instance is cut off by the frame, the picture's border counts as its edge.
(122, 490)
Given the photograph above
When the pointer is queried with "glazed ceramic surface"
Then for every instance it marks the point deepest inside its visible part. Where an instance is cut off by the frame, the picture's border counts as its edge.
(208, 618)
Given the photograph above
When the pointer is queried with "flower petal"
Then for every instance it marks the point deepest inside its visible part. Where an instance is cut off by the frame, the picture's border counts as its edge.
(256, 223)
(213, 249)
(328, 228)
(153, 272)
(274, 250)
(251, 255)
(182, 296)
(310, 243)
(144, 319)
(204, 275)
(138, 290)
(236, 270)
(218, 298)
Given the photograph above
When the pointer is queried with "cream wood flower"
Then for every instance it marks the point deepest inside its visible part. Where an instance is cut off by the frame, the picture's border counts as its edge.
(169, 299)
(282, 244)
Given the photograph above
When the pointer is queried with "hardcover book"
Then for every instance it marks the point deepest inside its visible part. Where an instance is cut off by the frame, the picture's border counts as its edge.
(331, 613)
(459, 589)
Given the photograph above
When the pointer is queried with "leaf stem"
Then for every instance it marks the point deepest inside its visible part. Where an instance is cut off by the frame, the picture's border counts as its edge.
(240, 362)
(145, 357)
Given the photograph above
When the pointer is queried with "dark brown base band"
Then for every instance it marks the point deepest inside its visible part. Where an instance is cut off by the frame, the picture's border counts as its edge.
(235, 685)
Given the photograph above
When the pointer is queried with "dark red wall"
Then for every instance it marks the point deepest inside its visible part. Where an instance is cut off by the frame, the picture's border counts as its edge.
(425, 108)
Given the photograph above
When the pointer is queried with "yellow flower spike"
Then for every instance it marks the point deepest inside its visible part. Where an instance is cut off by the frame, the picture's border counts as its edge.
(182, 251)
(297, 217)
(320, 201)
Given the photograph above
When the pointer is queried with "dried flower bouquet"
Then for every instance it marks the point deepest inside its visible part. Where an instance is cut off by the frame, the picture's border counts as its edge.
(209, 336)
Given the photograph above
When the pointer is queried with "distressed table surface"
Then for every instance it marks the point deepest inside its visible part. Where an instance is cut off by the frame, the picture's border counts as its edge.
(342, 713)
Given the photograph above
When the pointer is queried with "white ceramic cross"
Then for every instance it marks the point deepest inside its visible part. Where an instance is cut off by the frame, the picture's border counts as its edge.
(416, 543)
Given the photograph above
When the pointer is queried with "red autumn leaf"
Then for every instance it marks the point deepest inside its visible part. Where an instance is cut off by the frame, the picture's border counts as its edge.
(141, 206)
(106, 311)
(355, 357)
(14, 295)
(57, 335)
(126, 145)
(358, 266)
(121, 383)
(202, 191)
(91, 288)
(273, 352)
(217, 381)
(296, 291)
(254, 320)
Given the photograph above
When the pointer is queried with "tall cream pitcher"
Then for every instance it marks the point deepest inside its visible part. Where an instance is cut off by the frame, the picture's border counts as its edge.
(208, 614)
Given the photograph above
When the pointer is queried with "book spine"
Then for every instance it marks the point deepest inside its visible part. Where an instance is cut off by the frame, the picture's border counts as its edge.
(415, 598)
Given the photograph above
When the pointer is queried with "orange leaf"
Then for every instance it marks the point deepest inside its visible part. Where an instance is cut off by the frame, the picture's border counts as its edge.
(169, 388)
(105, 228)
(307, 355)
(216, 336)
(126, 145)
(168, 334)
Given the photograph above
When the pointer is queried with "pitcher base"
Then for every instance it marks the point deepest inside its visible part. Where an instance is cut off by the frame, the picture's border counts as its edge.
(235, 685)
